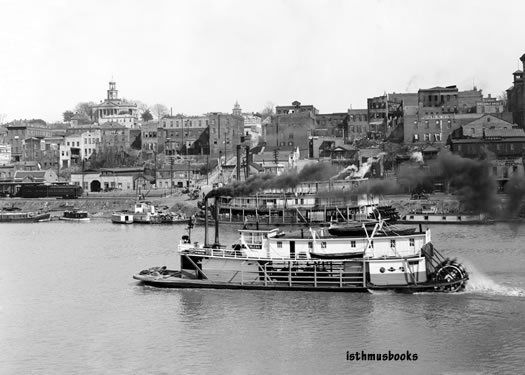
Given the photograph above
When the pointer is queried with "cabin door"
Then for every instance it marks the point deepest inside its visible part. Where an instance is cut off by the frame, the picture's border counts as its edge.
(292, 249)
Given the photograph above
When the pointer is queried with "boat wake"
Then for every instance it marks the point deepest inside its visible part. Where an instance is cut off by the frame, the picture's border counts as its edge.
(480, 283)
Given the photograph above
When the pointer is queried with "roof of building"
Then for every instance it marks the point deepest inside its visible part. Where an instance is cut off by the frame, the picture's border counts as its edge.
(485, 140)
(513, 132)
(518, 71)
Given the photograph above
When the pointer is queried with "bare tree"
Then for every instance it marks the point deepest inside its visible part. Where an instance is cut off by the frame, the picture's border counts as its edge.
(159, 110)
(503, 96)
(85, 108)
(268, 110)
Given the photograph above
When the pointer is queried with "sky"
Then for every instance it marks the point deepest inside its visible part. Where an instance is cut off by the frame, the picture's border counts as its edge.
(201, 56)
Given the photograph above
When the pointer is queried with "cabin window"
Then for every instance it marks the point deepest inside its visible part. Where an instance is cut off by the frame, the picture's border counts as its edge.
(310, 245)
(444, 217)
(279, 244)
(393, 244)
(459, 218)
(426, 217)
(371, 246)
(411, 216)
(411, 242)
(323, 244)
(352, 243)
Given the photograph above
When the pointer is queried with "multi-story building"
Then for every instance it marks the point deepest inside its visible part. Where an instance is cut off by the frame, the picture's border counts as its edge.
(291, 128)
(334, 124)
(210, 134)
(114, 137)
(385, 115)
(113, 109)
(516, 96)
(78, 147)
(490, 105)
(5, 154)
(18, 132)
(357, 124)
(149, 137)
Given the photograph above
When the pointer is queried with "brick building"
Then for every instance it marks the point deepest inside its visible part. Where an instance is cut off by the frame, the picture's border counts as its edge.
(334, 124)
(516, 96)
(19, 131)
(211, 134)
(292, 130)
(357, 124)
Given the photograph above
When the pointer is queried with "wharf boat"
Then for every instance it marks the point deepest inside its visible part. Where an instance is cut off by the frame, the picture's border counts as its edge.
(312, 259)
(24, 217)
(75, 215)
(147, 213)
(429, 214)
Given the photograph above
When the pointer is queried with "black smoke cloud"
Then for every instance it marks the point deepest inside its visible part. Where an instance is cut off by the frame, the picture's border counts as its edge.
(468, 179)
(259, 182)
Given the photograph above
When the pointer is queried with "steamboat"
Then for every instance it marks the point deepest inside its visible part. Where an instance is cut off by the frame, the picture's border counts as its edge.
(308, 203)
(381, 258)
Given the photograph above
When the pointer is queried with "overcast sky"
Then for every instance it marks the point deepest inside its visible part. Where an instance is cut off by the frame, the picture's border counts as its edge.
(201, 56)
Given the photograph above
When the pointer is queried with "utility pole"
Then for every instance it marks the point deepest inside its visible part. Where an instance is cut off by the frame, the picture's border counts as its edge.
(225, 157)
(207, 169)
(82, 173)
(58, 165)
(171, 176)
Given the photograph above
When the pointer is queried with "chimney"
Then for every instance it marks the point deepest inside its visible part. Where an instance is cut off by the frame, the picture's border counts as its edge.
(248, 161)
(238, 162)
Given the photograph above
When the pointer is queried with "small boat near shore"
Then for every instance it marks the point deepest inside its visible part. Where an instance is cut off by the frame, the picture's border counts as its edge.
(317, 260)
(24, 217)
(147, 213)
(122, 218)
(75, 215)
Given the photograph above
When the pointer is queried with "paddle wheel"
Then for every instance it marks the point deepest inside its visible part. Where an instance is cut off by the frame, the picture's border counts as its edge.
(447, 274)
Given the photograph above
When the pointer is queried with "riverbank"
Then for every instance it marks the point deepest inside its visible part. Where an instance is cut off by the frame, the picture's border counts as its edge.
(102, 205)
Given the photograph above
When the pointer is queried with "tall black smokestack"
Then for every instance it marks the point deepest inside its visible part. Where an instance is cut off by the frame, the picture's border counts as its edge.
(238, 162)
(205, 222)
(248, 161)
(216, 200)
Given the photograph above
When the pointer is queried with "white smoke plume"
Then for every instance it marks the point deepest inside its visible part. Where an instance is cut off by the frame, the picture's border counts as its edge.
(417, 156)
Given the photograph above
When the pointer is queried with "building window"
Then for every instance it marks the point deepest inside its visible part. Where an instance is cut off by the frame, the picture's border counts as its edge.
(411, 242)
(352, 243)
(437, 137)
(323, 244)
(392, 244)
(310, 245)
(279, 244)
(416, 137)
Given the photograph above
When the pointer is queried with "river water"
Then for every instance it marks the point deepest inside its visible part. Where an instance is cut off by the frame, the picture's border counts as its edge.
(68, 305)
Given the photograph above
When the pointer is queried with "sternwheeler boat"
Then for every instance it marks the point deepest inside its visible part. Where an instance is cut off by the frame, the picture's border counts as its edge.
(313, 259)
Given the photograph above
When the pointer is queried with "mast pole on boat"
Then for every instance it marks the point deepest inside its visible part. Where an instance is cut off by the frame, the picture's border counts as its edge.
(216, 244)
(205, 221)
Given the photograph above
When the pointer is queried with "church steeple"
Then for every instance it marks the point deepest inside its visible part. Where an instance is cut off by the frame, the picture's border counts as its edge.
(112, 92)
(237, 111)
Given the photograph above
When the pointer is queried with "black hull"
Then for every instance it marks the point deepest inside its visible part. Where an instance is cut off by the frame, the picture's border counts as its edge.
(24, 219)
(205, 284)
